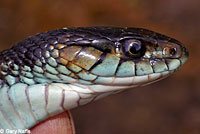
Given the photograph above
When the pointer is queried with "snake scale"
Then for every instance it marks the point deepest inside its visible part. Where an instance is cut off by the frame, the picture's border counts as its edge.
(58, 70)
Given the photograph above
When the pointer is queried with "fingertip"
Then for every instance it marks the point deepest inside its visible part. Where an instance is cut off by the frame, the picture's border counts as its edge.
(59, 124)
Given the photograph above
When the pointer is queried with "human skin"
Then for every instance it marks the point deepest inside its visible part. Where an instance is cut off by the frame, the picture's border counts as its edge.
(59, 124)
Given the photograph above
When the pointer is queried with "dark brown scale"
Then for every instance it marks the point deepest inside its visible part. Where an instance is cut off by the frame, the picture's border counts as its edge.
(63, 39)
(43, 52)
(50, 39)
(83, 42)
(29, 45)
(37, 52)
(28, 62)
(31, 49)
(57, 33)
(37, 39)
(21, 49)
(19, 62)
(43, 44)
(29, 55)
(21, 55)
(6, 58)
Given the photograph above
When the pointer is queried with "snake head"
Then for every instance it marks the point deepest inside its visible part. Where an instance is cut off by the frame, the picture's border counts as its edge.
(93, 56)
(125, 56)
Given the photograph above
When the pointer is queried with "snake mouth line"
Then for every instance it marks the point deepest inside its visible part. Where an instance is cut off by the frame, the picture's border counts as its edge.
(132, 81)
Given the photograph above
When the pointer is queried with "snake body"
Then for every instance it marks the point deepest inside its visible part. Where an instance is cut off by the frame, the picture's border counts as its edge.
(58, 70)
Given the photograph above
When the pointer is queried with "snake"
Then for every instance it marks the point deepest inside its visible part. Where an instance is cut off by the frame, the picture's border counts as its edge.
(58, 70)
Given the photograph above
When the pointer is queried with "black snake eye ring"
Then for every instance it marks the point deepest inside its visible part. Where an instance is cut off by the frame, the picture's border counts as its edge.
(134, 48)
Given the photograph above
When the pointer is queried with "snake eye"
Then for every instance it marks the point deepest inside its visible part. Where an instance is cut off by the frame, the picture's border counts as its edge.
(134, 48)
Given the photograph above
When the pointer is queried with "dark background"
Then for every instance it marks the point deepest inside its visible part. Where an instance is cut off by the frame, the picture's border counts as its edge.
(171, 106)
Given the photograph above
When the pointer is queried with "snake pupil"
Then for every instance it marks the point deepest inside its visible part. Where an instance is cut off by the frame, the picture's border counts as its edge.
(134, 48)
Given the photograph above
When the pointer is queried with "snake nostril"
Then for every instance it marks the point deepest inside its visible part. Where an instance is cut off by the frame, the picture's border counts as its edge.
(172, 51)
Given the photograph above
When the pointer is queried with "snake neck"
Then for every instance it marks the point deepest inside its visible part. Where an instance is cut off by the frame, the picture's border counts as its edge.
(39, 72)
